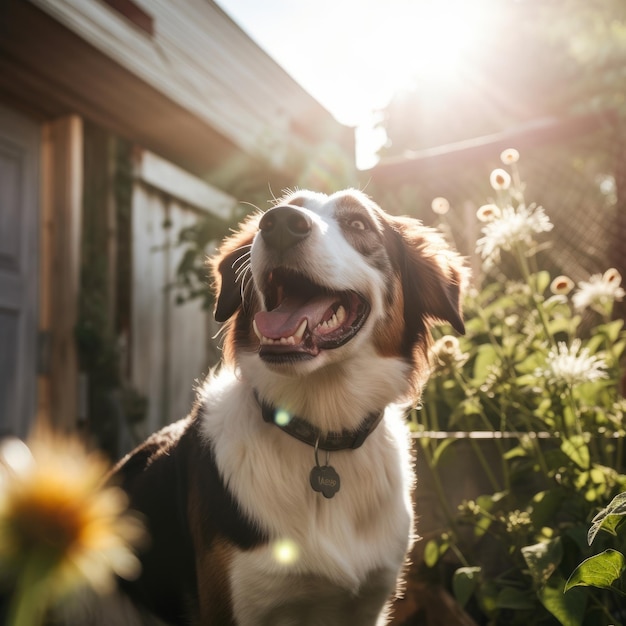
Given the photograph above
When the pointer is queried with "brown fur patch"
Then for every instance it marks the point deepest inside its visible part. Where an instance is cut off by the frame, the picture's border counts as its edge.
(389, 332)
(213, 584)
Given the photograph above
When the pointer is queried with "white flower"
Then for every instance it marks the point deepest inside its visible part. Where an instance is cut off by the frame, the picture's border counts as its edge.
(509, 156)
(500, 179)
(612, 276)
(488, 212)
(447, 353)
(599, 292)
(561, 285)
(511, 228)
(440, 206)
(573, 365)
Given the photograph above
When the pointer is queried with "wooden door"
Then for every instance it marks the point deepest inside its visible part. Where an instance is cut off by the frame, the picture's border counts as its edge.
(19, 209)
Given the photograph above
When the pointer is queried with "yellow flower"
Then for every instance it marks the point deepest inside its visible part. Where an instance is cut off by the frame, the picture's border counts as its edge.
(61, 528)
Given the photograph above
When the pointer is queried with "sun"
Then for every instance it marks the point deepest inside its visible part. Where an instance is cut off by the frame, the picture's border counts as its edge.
(354, 55)
(426, 44)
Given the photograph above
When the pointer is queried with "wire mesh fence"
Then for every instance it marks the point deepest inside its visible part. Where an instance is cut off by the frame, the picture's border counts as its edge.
(575, 168)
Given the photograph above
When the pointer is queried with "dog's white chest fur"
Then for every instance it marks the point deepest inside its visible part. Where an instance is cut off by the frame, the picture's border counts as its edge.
(328, 561)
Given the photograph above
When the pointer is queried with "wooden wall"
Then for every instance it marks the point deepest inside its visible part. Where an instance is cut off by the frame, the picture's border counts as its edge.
(171, 346)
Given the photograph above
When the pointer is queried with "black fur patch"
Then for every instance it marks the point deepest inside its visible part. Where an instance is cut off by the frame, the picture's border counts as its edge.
(157, 476)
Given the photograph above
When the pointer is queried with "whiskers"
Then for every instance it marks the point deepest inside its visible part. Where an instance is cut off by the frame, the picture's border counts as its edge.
(243, 276)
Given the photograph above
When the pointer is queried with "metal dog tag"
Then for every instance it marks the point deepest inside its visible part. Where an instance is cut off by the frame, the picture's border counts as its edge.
(325, 480)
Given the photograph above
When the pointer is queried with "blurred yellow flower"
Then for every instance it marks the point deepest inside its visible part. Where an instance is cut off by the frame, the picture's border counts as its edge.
(61, 528)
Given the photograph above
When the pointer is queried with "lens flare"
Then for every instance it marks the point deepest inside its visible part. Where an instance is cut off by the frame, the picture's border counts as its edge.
(285, 552)
(282, 417)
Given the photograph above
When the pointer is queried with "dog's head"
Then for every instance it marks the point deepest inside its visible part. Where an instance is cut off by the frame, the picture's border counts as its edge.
(317, 278)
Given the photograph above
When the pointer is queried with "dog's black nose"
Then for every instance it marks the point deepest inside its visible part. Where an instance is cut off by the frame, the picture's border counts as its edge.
(284, 226)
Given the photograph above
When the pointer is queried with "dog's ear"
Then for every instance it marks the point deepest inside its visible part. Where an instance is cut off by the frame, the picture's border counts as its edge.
(432, 275)
(230, 272)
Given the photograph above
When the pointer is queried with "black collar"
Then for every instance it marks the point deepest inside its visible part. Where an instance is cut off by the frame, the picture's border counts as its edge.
(304, 431)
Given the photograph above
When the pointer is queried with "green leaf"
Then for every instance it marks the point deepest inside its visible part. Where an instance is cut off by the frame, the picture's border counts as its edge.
(540, 280)
(531, 363)
(432, 552)
(600, 570)
(441, 448)
(485, 359)
(545, 505)
(617, 349)
(511, 598)
(516, 452)
(609, 518)
(569, 608)
(542, 559)
(611, 330)
(577, 451)
(594, 343)
(464, 583)
(578, 535)
(559, 325)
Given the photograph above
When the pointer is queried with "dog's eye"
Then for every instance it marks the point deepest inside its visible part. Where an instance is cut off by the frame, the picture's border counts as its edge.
(357, 224)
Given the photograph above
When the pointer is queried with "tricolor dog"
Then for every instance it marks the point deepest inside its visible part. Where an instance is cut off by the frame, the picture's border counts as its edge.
(285, 497)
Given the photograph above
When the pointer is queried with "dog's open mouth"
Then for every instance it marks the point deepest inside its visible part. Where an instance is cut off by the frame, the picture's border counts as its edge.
(303, 318)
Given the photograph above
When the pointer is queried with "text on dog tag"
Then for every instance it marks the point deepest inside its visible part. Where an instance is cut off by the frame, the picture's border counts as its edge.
(325, 480)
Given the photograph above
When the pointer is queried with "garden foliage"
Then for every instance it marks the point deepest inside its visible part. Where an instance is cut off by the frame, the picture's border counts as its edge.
(539, 368)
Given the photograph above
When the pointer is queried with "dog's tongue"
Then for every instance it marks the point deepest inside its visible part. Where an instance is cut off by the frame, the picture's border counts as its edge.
(285, 319)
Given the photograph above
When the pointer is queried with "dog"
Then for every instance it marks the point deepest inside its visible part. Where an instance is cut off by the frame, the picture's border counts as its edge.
(285, 496)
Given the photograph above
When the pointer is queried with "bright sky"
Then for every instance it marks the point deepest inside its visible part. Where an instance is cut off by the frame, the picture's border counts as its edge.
(351, 55)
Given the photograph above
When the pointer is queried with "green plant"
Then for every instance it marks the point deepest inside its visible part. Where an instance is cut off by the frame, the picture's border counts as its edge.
(538, 374)
(604, 570)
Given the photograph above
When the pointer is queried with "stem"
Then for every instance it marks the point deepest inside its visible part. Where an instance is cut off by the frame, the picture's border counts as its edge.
(28, 602)
(600, 604)
(485, 465)
(523, 263)
(431, 403)
(575, 410)
(540, 458)
(619, 455)
(489, 427)
(459, 555)
(441, 493)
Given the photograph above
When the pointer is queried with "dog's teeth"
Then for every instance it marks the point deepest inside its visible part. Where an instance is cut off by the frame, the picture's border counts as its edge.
(297, 336)
(341, 315)
(284, 341)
